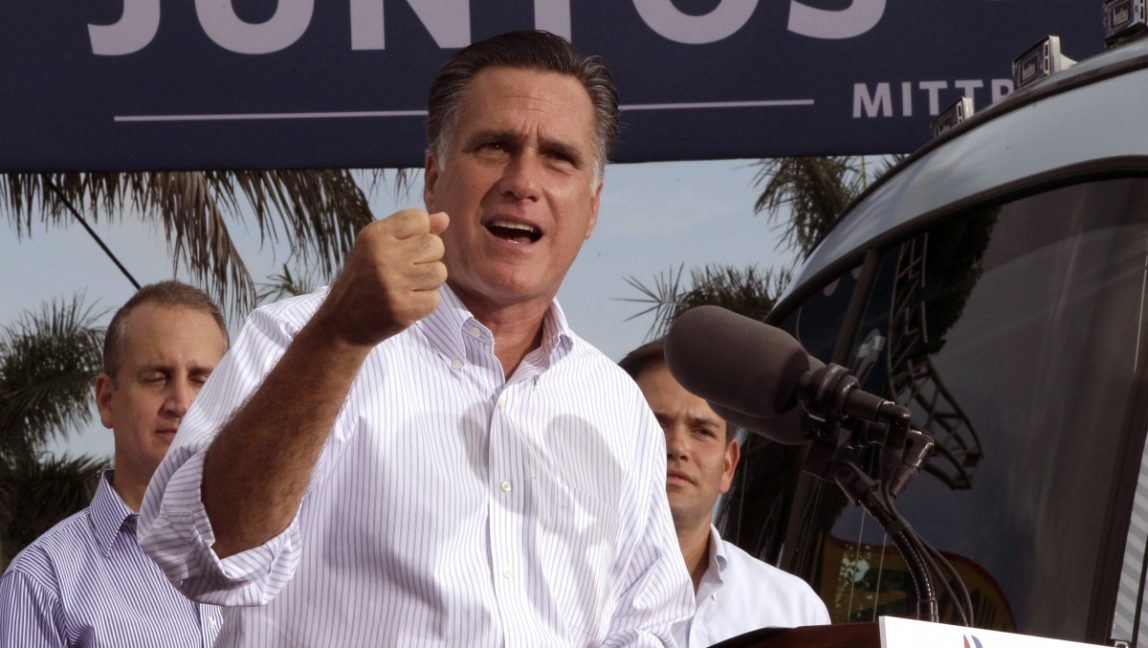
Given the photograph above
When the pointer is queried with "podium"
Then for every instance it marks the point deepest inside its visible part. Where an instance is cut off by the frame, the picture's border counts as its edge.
(890, 632)
(845, 635)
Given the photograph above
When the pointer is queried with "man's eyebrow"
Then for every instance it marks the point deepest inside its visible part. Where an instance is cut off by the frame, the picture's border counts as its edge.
(565, 150)
(167, 368)
(492, 135)
(705, 422)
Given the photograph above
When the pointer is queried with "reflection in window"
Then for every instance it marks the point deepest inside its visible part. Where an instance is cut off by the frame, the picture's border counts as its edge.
(1014, 335)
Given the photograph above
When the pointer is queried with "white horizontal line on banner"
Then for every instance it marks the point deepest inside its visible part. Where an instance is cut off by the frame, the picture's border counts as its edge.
(422, 113)
(721, 104)
(260, 116)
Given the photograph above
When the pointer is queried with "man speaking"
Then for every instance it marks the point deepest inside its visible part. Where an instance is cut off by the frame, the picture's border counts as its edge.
(425, 453)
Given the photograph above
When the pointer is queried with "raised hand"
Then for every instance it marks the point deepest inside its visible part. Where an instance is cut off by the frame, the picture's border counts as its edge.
(391, 279)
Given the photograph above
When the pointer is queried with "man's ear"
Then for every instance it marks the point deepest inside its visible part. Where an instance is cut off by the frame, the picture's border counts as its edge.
(104, 389)
(430, 177)
(594, 202)
(732, 454)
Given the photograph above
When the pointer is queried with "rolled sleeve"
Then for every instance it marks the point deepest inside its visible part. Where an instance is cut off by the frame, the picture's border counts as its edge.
(176, 532)
(173, 526)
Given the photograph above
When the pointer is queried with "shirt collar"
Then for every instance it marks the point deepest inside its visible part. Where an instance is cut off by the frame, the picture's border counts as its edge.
(718, 554)
(557, 338)
(447, 325)
(109, 515)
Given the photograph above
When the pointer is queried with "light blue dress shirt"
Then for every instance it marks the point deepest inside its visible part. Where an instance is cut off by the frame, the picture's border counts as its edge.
(86, 582)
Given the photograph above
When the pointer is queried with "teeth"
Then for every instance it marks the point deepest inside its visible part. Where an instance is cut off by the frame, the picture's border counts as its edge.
(514, 226)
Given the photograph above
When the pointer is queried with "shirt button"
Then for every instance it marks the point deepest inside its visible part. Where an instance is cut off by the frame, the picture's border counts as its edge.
(212, 623)
(506, 573)
(505, 486)
(475, 332)
(502, 402)
(456, 364)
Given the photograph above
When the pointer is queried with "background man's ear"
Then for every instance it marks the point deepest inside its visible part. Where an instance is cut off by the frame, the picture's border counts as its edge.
(104, 389)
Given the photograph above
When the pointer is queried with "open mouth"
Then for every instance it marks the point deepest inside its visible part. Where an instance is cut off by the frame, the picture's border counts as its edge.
(520, 233)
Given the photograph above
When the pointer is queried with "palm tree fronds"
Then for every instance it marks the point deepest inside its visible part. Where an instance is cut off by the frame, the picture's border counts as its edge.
(35, 495)
(816, 190)
(318, 212)
(48, 361)
(283, 285)
(402, 184)
(747, 291)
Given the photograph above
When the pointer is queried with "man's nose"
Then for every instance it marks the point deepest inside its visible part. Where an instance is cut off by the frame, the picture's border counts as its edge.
(522, 176)
(179, 396)
(677, 442)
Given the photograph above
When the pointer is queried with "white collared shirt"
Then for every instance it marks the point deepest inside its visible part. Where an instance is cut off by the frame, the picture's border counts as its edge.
(449, 506)
(739, 593)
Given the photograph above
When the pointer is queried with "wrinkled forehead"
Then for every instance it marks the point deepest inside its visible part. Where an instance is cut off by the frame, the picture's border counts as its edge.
(529, 99)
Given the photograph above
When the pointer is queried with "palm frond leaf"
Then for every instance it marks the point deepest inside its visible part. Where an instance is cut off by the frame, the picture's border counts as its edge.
(35, 495)
(747, 291)
(48, 362)
(401, 185)
(316, 214)
(815, 189)
(283, 285)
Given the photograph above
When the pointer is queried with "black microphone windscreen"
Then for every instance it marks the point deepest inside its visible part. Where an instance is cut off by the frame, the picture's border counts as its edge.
(788, 428)
(736, 361)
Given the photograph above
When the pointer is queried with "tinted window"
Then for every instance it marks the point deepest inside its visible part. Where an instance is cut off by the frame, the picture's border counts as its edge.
(1015, 336)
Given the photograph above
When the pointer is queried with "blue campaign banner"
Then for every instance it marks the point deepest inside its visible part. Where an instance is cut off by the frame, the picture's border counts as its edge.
(225, 84)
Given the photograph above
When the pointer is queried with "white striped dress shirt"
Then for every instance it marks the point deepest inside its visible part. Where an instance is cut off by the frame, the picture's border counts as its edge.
(449, 506)
(86, 582)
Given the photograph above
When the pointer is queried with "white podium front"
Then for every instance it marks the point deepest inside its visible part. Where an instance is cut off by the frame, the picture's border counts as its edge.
(891, 632)
(908, 633)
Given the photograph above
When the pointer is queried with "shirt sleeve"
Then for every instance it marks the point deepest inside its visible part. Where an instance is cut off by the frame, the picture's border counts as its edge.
(30, 614)
(656, 597)
(173, 525)
(816, 612)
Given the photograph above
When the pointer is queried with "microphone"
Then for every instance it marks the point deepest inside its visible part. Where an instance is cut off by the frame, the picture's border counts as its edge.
(748, 371)
(791, 428)
(757, 376)
(736, 361)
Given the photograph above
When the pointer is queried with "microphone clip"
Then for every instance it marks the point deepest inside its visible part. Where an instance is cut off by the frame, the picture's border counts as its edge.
(831, 396)
(843, 418)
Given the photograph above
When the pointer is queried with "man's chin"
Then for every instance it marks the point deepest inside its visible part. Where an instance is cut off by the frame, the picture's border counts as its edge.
(679, 504)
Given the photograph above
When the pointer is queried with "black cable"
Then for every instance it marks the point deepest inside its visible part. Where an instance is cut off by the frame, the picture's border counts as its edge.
(948, 575)
(64, 200)
(860, 488)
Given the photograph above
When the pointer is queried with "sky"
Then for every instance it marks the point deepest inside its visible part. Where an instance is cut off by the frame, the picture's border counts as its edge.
(653, 219)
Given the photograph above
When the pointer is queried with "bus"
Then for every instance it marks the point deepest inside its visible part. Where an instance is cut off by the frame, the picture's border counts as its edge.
(995, 283)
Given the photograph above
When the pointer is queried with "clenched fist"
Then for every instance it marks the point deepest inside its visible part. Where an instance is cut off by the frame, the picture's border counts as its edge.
(391, 279)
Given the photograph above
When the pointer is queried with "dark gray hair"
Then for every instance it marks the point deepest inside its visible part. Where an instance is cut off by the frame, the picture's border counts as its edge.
(164, 293)
(530, 50)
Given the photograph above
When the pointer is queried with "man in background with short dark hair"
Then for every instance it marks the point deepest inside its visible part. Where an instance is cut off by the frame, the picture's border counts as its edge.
(735, 592)
(86, 582)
